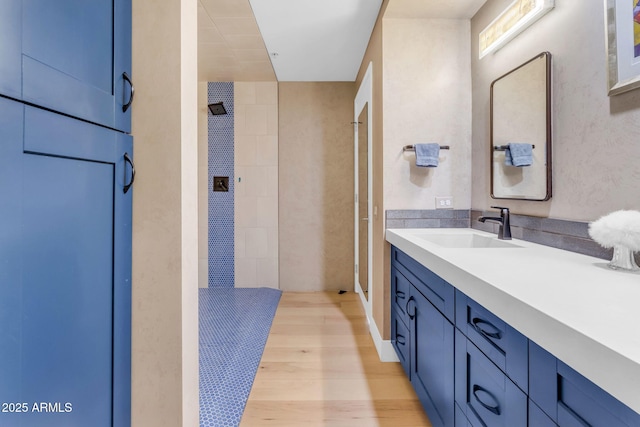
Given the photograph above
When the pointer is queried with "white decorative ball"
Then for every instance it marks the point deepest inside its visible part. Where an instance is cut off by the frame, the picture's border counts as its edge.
(619, 228)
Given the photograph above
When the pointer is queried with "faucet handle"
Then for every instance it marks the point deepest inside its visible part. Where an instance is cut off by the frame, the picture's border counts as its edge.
(501, 208)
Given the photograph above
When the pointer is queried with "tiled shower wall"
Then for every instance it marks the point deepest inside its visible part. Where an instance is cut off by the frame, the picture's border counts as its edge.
(221, 204)
(256, 215)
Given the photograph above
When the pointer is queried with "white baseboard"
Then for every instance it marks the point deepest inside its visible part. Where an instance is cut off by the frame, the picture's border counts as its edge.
(386, 353)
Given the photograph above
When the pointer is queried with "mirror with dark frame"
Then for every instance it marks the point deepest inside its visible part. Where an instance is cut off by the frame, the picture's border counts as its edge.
(521, 125)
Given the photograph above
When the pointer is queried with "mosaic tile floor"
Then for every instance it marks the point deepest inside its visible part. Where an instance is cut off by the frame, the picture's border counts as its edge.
(234, 326)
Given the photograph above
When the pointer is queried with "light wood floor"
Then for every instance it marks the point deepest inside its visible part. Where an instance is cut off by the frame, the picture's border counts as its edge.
(320, 368)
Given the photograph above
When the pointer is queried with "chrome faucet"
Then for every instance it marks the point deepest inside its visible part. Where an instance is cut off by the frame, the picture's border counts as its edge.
(504, 232)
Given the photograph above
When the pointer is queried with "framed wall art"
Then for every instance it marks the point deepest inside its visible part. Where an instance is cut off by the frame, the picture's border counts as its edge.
(622, 19)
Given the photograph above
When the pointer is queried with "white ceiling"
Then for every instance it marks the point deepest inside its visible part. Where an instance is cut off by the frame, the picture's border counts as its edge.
(314, 40)
(433, 9)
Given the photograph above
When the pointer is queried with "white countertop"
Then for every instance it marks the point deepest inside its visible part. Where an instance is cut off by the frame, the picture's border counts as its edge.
(573, 305)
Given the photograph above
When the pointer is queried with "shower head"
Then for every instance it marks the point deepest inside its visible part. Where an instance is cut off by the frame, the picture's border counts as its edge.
(217, 109)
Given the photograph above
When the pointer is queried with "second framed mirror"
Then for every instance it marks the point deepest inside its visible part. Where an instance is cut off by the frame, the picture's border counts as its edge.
(520, 151)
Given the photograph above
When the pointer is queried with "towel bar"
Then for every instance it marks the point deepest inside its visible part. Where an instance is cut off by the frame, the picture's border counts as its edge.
(504, 147)
(413, 148)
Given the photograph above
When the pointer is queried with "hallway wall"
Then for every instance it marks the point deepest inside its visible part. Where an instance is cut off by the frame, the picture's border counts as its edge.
(316, 186)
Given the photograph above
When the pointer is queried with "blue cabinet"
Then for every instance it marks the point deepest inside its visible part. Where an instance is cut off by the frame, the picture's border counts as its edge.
(537, 418)
(65, 278)
(432, 359)
(400, 335)
(69, 56)
(500, 378)
(423, 335)
(570, 399)
(485, 394)
(461, 419)
(438, 291)
(503, 345)
(65, 202)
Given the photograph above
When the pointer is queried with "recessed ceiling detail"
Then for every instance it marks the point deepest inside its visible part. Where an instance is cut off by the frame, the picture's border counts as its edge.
(300, 40)
(433, 9)
(316, 40)
(230, 47)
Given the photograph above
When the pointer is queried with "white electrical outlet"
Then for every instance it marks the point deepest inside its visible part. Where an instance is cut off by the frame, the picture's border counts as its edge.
(445, 202)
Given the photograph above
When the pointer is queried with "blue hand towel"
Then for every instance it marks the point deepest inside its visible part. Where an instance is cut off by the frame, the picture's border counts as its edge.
(518, 154)
(427, 154)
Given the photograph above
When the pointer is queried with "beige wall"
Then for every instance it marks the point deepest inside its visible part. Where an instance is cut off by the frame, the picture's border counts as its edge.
(165, 257)
(316, 186)
(380, 270)
(422, 72)
(256, 186)
(427, 98)
(203, 186)
(595, 137)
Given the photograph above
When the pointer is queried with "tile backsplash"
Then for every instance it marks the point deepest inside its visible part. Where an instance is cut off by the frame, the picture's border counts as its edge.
(562, 234)
(431, 218)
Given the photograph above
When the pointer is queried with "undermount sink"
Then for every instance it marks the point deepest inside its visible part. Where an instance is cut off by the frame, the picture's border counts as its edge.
(468, 240)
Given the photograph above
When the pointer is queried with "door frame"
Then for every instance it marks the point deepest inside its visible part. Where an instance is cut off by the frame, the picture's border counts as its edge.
(364, 96)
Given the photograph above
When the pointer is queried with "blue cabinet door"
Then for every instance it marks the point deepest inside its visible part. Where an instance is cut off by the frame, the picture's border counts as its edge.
(435, 288)
(69, 56)
(11, 48)
(569, 398)
(432, 359)
(505, 346)
(401, 341)
(65, 290)
(484, 393)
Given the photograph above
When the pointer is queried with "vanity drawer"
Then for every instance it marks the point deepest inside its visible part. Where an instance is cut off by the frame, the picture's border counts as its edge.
(461, 419)
(571, 399)
(400, 289)
(501, 343)
(537, 417)
(401, 341)
(484, 393)
(440, 293)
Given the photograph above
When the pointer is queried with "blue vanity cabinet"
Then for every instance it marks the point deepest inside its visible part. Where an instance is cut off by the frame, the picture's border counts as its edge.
(65, 276)
(500, 378)
(400, 338)
(423, 303)
(461, 419)
(502, 344)
(440, 293)
(10, 48)
(485, 394)
(432, 359)
(537, 417)
(69, 56)
(570, 399)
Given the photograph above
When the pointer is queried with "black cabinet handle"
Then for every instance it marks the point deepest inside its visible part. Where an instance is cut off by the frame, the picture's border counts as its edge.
(400, 294)
(477, 322)
(133, 173)
(126, 106)
(411, 300)
(492, 408)
(400, 339)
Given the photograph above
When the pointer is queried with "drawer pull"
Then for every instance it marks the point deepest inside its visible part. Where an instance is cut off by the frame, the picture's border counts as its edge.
(127, 159)
(400, 339)
(492, 408)
(400, 294)
(126, 78)
(477, 322)
(411, 300)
